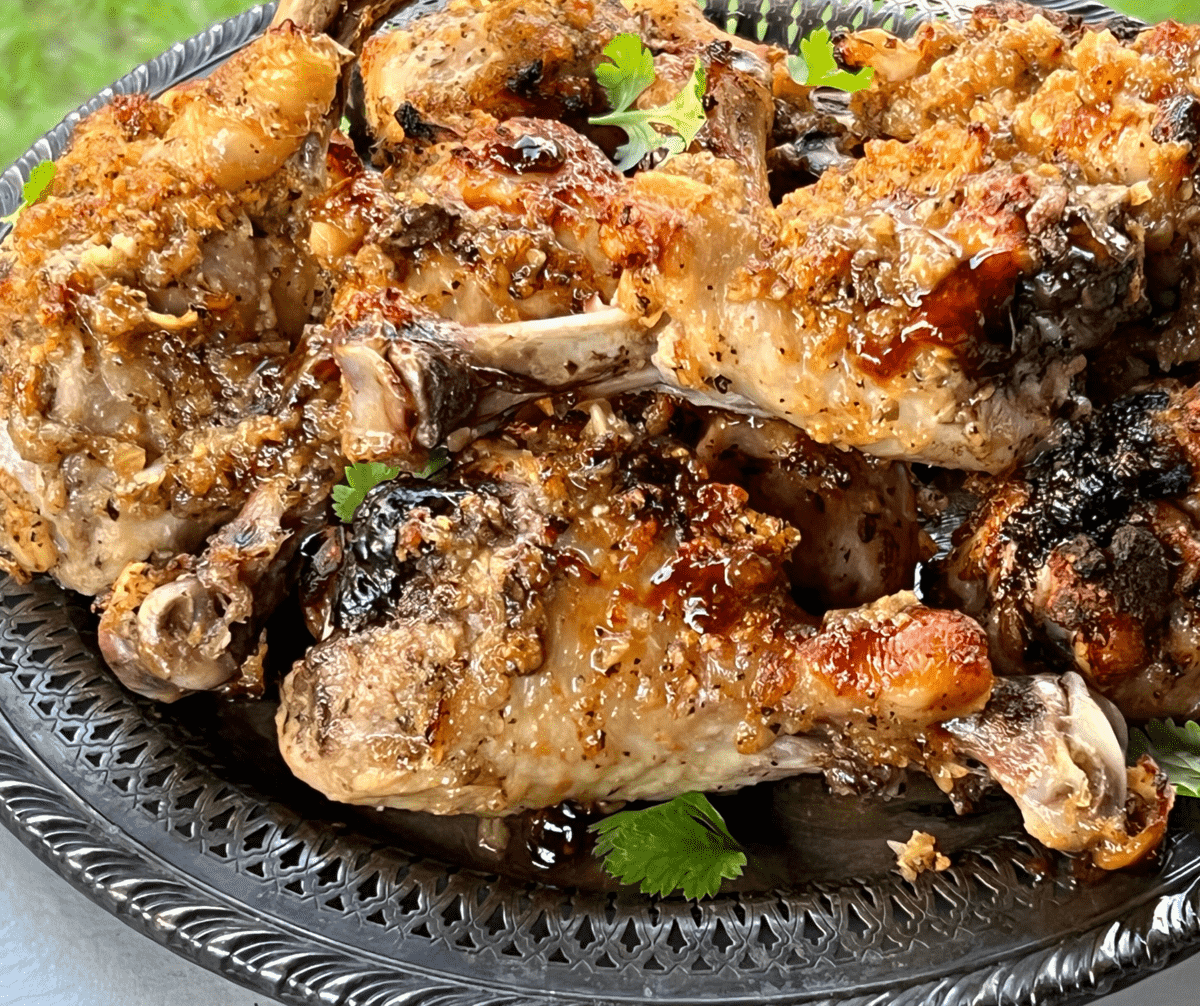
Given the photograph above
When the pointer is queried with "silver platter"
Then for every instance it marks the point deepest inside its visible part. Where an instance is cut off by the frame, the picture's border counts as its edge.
(183, 822)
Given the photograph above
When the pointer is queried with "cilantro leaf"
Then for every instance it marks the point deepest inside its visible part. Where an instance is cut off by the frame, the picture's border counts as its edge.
(627, 76)
(39, 180)
(361, 478)
(683, 844)
(630, 72)
(1176, 749)
(816, 66)
(344, 126)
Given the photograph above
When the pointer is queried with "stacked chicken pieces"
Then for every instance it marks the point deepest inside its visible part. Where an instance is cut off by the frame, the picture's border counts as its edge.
(676, 544)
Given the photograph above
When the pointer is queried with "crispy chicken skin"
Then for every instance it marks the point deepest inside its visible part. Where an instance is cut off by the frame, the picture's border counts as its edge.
(1020, 187)
(537, 60)
(934, 296)
(150, 313)
(617, 593)
(579, 612)
(1089, 558)
(152, 310)
(590, 559)
(477, 64)
(520, 221)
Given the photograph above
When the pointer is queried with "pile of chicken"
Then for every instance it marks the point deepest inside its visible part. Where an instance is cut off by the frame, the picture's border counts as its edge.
(676, 545)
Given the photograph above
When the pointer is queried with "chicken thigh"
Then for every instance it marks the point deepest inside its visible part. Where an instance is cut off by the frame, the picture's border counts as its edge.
(154, 370)
(1089, 558)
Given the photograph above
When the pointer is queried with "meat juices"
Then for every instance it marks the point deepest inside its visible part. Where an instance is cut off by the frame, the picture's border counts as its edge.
(921, 300)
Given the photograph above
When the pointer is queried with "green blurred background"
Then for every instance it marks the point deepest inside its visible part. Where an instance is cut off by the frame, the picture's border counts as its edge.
(56, 53)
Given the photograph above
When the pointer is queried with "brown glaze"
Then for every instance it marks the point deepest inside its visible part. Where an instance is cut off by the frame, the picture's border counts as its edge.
(958, 315)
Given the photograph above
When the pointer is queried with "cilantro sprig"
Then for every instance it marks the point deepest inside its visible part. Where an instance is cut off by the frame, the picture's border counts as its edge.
(624, 79)
(683, 844)
(816, 66)
(363, 476)
(33, 190)
(1176, 749)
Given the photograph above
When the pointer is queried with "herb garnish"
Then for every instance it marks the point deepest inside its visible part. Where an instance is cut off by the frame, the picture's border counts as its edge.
(816, 66)
(680, 844)
(1176, 749)
(363, 476)
(627, 76)
(33, 190)
(437, 461)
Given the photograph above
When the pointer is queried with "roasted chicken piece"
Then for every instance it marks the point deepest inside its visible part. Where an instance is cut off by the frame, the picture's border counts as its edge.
(519, 222)
(521, 59)
(1089, 558)
(934, 296)
(945, 287)
(479, 64)
(578, 611)
(860, 532)
(151, 314)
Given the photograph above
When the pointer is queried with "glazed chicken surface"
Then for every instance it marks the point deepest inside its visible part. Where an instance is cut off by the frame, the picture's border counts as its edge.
(690, 407)
(154, 363)
(152, 313)
(581, 611)
(976, 235)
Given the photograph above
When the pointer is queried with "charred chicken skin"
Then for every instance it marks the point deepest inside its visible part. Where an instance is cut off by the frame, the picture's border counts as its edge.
(924, 299)
(617, 594)
(1089, 558)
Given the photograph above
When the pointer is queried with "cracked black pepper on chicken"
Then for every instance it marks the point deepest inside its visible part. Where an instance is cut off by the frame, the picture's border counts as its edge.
(676, 544)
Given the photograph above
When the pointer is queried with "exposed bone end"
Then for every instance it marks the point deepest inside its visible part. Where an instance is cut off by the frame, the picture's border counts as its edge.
(401, 394)
(566, 351)
(314, 14)
(1151, 797)
(145, 608)
(410, 379)
(1052, 747)
(183, 637)
(180, 628)
(348, 21)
